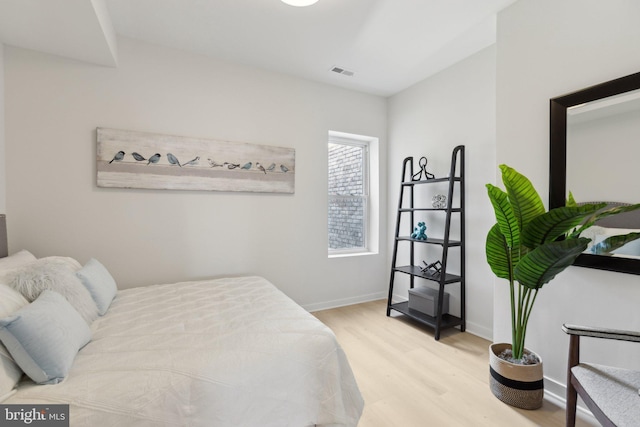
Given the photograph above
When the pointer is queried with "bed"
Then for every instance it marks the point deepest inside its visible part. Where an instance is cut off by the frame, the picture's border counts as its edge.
(225, 352)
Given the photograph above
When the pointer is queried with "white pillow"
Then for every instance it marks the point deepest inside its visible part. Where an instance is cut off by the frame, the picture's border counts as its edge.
(101, 285)
(45, 336)
(45, 273)
(16, 260)
(10, 263)
(10, 373)
(62, 260)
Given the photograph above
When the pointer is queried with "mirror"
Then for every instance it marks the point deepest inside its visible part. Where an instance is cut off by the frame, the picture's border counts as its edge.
(594, 152)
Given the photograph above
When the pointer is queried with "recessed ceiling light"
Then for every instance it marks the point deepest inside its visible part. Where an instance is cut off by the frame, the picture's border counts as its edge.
(299, 3)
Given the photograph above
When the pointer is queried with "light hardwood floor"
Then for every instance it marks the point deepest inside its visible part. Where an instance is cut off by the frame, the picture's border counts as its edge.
(410, 380)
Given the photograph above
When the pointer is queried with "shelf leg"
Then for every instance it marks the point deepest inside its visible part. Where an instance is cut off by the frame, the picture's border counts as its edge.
(390, 292)
(439, 311)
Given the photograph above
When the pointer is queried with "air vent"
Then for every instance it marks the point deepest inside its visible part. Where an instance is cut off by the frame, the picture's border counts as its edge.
(340, 70)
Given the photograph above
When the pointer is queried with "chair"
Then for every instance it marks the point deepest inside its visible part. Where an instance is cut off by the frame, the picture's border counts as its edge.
(612, 394)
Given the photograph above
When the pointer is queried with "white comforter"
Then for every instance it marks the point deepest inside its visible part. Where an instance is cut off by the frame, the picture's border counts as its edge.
(228, 352)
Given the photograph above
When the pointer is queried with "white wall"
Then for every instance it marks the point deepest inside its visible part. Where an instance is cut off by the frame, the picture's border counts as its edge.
(453, 107)
(53, 106)
(547, 48)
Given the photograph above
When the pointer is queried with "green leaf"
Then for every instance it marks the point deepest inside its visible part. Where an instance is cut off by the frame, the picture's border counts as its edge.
(542, 264)
(571, 202)
(555, 223)
(614, 242)
(524, 198)
(504, 215)
(498, 253)
(617, 210)
(603, 214)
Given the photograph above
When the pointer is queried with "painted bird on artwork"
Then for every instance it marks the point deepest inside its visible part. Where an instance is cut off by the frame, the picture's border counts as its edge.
(247, 166)
(192, 162)
(173, 160)
(138, 157)
(271, 167)
(260, 167)
(119, 156)
(284, 169)
(231, 165)
(214, 164)
(154, 159)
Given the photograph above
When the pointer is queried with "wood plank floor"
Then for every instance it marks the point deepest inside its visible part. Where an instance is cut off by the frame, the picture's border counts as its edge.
(408, 379)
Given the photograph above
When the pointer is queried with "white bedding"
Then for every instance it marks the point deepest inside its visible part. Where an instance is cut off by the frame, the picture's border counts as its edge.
(227, 352)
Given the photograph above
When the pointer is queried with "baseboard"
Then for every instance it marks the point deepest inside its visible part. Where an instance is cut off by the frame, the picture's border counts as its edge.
(555, 392)
(398, 298)
(472, 328)
(344, 302)
(479, 331)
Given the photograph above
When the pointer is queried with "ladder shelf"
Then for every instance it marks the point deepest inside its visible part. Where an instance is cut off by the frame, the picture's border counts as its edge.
(413, 270)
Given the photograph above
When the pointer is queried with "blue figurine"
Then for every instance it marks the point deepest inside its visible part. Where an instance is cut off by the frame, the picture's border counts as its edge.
(419, 232)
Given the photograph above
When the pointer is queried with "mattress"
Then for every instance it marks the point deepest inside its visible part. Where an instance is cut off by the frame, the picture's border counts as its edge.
(225, 352)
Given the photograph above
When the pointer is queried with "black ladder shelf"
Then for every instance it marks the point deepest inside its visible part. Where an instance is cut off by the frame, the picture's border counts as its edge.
(440, 321)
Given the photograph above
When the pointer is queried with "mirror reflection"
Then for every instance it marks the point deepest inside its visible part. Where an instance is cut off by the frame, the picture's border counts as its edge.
(593, 147)
(602, 162)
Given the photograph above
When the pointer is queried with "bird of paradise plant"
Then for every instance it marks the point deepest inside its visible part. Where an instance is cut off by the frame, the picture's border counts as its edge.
(529, 246)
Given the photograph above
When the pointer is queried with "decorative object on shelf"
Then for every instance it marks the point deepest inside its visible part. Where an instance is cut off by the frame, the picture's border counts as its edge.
(439, 201)
(432, 269)
(425, 300)
(523, 247)
(419, 232)
(126, 159)
(423, 171)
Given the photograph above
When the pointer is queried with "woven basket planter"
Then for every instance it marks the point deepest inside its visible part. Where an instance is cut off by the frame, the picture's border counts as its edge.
(517, 385)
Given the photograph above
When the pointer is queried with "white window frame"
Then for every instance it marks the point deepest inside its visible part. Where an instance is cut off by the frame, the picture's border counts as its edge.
(369, 146)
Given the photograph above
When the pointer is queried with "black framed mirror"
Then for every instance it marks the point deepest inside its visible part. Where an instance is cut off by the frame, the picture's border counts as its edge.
(588, 131)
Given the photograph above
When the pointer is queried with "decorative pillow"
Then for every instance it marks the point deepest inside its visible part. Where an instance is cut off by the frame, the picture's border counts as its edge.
(10, 373)
(96, 278)
(63, 260)
(44, 337)
(45, 273)
(16, 260)
(10, 263)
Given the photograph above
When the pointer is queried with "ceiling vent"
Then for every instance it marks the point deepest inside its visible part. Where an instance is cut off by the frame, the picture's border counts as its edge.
(340, 70)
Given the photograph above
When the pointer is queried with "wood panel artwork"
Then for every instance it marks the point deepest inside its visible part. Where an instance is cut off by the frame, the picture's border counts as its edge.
(129, 159)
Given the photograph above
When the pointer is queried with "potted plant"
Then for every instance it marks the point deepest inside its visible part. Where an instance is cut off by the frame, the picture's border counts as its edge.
(529, 246)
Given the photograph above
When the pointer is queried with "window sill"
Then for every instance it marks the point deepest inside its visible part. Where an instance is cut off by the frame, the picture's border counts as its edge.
(350, 254)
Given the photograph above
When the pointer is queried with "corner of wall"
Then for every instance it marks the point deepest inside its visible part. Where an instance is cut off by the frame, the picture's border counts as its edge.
(110, 38)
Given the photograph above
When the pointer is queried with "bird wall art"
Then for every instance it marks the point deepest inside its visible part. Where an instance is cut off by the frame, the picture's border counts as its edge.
(131, 159)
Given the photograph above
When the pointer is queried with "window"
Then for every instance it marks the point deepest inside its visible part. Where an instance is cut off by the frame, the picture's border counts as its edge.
(350, 204)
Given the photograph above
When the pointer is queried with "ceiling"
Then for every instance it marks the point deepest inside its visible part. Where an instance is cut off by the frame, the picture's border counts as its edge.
(388, 44)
